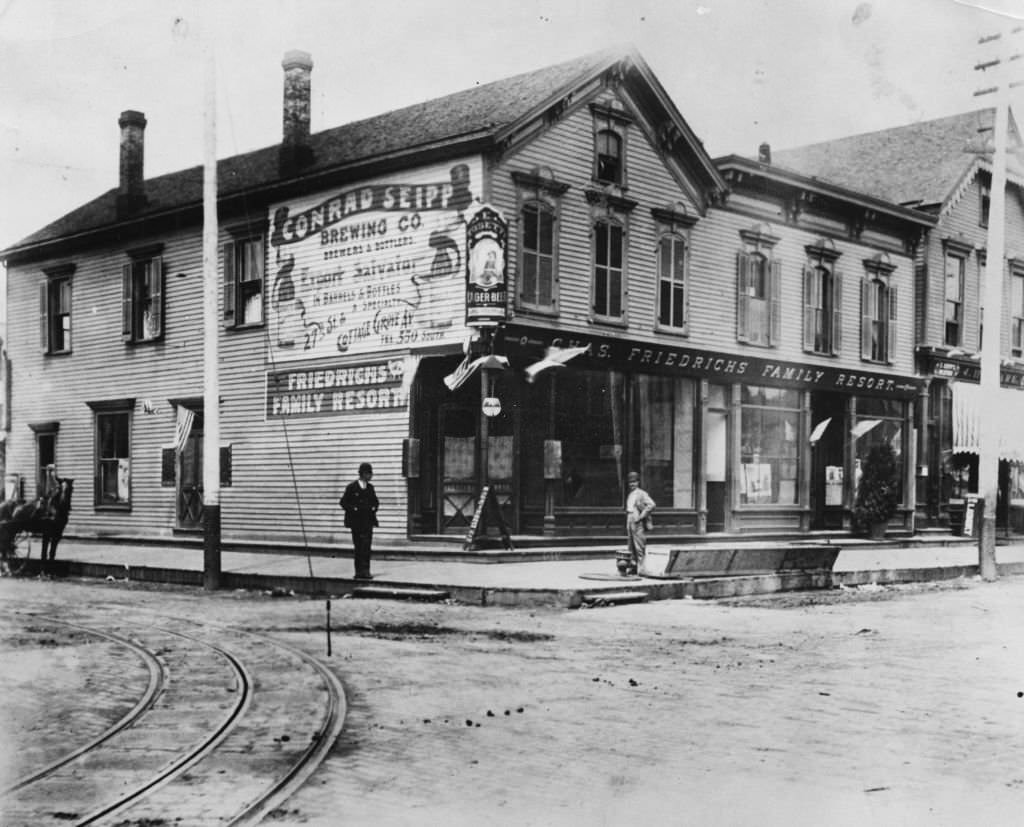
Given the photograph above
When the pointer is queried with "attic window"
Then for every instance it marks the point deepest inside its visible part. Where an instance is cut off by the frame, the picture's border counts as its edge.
(610, 131)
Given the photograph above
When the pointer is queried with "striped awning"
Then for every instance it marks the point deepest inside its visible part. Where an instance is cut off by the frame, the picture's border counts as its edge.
(973, 411)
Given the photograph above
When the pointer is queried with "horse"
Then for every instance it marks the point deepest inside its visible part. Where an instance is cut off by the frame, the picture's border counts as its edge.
(46, 516)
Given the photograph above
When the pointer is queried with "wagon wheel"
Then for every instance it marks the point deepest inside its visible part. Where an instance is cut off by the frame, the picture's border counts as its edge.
(18, 552)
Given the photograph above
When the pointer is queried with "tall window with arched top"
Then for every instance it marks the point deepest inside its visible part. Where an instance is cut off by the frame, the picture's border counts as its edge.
(757, 298)
(672, 289)
(878, 320)
(823, 302)
(537, 257)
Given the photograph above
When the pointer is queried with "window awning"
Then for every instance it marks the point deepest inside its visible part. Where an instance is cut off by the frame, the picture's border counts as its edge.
(1004, 412)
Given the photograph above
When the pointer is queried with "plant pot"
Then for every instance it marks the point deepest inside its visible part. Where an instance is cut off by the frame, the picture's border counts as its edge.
(876, 531)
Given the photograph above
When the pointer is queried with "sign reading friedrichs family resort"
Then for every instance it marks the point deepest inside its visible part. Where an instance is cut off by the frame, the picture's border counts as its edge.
(374, 267)
(328, 390)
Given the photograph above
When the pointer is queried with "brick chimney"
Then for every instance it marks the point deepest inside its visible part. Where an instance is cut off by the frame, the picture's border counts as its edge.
(295, 149)
(764, 153)
(131, 193)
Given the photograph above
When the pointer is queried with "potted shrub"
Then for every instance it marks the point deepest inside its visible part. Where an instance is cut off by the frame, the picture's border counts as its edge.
(878, 494)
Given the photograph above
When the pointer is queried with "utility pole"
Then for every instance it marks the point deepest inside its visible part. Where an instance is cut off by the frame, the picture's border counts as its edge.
(211, 330)
(991, 366)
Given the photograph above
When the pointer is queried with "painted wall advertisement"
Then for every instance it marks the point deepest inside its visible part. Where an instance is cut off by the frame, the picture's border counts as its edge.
(329, 390)
(373, 267)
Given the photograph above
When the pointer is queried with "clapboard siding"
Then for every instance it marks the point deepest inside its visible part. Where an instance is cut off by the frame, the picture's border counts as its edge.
(961, 222)
(277, 472)
(567, 150)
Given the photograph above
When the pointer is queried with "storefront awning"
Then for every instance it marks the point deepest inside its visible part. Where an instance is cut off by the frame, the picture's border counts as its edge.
(973, 411)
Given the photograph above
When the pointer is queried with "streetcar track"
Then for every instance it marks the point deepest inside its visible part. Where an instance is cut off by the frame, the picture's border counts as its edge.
(330, 722)
(157, 680)
(196, 754)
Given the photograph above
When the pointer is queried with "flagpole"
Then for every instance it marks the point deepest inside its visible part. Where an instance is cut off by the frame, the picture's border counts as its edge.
(211, 388)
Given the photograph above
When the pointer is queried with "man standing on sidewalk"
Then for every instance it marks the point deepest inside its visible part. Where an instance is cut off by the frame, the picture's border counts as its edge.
(360, 503)
(639, 506)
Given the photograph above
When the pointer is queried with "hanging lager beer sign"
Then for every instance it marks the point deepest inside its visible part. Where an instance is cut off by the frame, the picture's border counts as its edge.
(486, 285)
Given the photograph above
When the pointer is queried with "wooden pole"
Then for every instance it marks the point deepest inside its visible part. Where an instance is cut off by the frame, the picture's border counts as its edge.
(211, 330)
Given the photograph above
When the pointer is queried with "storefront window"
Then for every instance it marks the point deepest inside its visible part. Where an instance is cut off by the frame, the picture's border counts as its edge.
(590, 423)
(769, 448)
(878, 421)
(663, 410)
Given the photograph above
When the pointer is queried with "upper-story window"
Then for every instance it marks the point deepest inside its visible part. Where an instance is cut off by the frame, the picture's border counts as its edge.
(953, 314)
(672, 294)
(609, 157)
(55, 310)
(985, 205)
(672, 266)
(1017, 314)
(537, 257)
(823, 299)
(142, 296)
(608, 270)
(758, 276)
(879, 311)
(610, 133)
(540, 200)
(243, 281)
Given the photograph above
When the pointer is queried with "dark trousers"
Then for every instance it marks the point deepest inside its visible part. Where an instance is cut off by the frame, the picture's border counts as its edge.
(362, 540)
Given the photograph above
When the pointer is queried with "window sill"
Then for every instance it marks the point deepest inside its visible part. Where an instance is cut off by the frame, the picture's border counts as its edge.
(603, 321)
(526, 310)
(57, 353)
(683, 332)
(246, 326)
(111, 507)
(761, 345)
(143, 342)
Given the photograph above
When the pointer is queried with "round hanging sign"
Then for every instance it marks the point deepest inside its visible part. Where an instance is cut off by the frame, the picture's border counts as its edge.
(491, 406)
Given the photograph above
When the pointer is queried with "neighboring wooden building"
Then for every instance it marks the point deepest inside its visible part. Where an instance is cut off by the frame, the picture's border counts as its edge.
(719, 329)
(943, 168)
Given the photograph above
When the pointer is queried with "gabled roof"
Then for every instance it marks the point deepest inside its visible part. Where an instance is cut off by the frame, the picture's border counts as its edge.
(473, 120)
(919, 164)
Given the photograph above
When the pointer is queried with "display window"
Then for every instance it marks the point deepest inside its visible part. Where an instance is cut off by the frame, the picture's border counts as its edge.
(769, 448)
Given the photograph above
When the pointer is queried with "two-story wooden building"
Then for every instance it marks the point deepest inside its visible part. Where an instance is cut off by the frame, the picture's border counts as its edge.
(718, 313)
(943, 167)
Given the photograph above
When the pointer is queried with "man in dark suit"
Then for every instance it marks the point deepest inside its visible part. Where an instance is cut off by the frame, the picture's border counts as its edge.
(360, 503)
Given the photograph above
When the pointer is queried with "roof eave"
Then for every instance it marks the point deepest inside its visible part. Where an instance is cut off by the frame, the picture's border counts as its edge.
(816, 185)
(478, 141)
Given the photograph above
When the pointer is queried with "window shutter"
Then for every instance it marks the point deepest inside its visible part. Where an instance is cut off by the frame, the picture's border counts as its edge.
(257, 273)
(810, 305)
(126, 302)
(155, 275)
(775, 285)
(168, 463)
(743, 263)
(837, 312)
(891, 327)
(225, 466)
(44, 317)
(229, 283)
(865, 319)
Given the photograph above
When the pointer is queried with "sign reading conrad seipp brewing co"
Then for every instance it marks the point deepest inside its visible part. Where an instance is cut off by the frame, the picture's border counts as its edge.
(372, 267)
(486, 286)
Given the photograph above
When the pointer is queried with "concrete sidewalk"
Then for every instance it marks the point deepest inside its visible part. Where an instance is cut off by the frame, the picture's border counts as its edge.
(550, 577)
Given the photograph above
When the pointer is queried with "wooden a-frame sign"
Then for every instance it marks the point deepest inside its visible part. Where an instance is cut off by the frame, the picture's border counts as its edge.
(487, 502)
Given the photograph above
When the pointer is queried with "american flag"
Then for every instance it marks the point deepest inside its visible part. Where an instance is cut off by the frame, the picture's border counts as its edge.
(183, 427)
